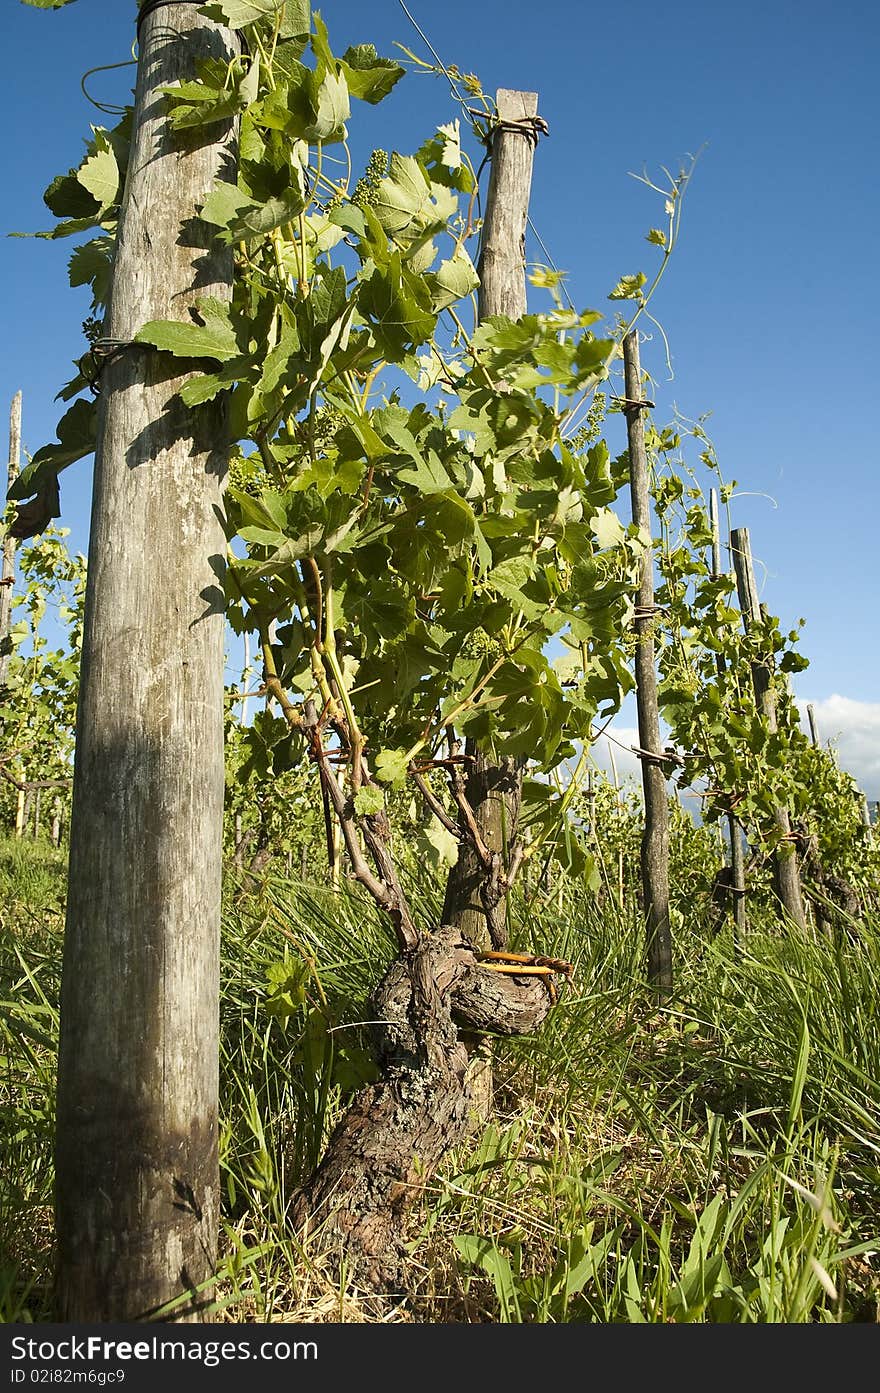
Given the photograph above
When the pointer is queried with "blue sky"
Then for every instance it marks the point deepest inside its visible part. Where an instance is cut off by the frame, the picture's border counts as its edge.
(769, 303)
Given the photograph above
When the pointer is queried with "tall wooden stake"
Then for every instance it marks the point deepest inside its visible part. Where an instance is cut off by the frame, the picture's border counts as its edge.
(136, 1155)
(814, 729)
(734, 830)
(655, 836)
(7, 565)
(494, 789)
(788, 879)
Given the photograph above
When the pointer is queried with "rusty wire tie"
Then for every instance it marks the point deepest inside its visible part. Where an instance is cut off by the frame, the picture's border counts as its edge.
(530, 126)
(148, 6)
(104, 351)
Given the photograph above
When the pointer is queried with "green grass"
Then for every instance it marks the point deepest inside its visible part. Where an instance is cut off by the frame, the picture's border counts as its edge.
(717, 1160)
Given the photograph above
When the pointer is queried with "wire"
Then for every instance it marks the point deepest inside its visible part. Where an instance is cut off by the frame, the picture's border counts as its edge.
(111, 108)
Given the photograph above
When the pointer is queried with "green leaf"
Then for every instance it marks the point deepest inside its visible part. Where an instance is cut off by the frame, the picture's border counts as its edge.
(656, 237)
(191, 104)
(331, 108)
(404, 197)
(452, 280)
(66, 197)
(369, 799)
(241, 218)
(76, 438)
(369, 77)
(608, 530)
(99, 175)
(293, 549)
(92, 264)
(214, 339)
(629, 287)
(47, 4)
(482, 1253)
(391, 767)
(396, 304)
(237, 13)
(38, 481)
(442, 843)
(208, 385)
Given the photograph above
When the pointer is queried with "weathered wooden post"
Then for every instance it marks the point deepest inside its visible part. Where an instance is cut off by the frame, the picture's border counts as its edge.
(788, 880)
(814, 729)
(655, 835)
(493, 790)
(136, 1152)
(734, 830)
(7, 564)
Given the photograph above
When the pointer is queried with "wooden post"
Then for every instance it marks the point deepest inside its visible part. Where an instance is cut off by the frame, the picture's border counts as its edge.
(136, 1157)
(57, 808)
(865, 809)
(655, 835)
(37, 801)
(788, 880)
(7, 564)
(19, 814)
(814, 729)
(734, 830)
(245, 677)
(494, 790)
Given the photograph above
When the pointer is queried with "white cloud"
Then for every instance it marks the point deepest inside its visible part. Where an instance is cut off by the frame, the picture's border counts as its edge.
(622, 738)
(853, 728)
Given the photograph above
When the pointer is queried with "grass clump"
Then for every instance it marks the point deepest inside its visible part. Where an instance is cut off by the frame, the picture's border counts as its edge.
(716, 1160)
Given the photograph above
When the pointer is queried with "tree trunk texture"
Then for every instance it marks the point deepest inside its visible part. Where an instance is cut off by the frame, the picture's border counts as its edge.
(786, 876)
(137, 1132)
(494, 792)
(654, 854)
(494, 789)
(390, 1141)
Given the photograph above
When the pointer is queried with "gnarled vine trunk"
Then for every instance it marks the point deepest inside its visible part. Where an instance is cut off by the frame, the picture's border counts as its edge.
(395, 1133)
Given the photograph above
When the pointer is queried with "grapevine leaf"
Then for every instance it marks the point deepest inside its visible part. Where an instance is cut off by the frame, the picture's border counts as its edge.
(452, 280)
(67, 197)
(99, 175)
(396, 304)
(391, 767)
(607, 528)
(369, 77)
(238, 13)
(629, 287)
(38, 481)
(442, 844)
(206, 386)
(292, 549)
(213, 339)
(369, 799)
(331, 109)
(92, 264)
(241, 219)
(404, 197)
